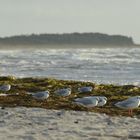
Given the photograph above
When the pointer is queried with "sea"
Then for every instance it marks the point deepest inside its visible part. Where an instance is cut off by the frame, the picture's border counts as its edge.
(106, 65)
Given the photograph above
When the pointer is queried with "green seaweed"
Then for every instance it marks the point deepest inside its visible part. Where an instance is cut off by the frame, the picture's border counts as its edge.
(114, 93)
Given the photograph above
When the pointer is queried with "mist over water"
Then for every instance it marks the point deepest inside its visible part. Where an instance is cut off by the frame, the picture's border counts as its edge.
(101, 65)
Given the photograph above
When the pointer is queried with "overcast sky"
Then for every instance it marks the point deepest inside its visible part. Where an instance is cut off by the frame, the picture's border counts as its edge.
(59, 16)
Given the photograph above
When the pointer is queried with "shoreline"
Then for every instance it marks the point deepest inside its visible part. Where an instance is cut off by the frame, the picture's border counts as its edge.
(62, 46)
(36, 123)
(56, 118)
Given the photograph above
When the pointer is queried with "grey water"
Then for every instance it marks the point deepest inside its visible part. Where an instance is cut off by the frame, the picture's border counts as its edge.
(101, 65)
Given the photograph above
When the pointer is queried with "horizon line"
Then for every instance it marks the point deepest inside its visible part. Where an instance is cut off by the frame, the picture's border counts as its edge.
(29, 34)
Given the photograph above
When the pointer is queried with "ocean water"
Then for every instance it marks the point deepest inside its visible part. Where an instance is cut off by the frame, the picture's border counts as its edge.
(101, 65)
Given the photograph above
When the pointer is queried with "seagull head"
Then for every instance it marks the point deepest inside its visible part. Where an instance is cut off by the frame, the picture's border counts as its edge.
(46, 91)
(97, 98)
(105, 98)
(138, 97)
(69, 89)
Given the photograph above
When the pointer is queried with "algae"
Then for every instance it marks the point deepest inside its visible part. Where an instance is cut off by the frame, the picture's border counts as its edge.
(114, 93)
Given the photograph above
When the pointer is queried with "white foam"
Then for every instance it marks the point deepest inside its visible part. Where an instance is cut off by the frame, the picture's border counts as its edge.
(102, 65)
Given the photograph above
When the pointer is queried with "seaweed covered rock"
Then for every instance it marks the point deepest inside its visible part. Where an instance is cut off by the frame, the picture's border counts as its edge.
(22, 86)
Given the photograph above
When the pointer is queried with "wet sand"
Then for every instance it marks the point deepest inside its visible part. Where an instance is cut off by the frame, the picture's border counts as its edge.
(40, 124)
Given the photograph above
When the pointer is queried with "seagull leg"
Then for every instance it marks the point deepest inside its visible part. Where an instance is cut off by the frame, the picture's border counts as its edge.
(131, 112)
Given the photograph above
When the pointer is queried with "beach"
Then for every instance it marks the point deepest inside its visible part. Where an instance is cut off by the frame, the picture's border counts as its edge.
(70, 70)
(23, 123)
(110, 72)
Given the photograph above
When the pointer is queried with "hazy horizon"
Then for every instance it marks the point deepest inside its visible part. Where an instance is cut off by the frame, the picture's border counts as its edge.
(44, 16)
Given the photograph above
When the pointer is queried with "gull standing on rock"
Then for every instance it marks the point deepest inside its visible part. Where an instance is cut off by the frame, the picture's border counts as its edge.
(130, 103)
(89, 101)
(42, 95)
(5, 87)
(63, 92)
(85, 89)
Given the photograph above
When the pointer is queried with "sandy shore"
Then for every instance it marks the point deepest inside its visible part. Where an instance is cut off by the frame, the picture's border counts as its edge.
(40, 124)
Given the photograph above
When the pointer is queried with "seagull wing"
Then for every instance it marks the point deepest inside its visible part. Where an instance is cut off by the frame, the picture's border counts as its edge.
(126, 103)
(86, 101)
(38, 95)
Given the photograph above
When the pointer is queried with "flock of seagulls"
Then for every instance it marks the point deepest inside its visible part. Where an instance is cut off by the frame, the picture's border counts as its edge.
(89, 101)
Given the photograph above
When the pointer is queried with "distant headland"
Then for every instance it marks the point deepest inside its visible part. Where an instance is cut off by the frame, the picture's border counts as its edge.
(97, 39)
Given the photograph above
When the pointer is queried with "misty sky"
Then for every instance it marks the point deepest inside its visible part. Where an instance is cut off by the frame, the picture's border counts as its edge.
(59, 16)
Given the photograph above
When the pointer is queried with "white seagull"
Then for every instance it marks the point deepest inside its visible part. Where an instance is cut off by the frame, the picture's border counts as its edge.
(85, 89)
(42, 95)
(63, 92)
(5, 87)
(102, 100)
(3, 94)
(87, 101)
(130, 103)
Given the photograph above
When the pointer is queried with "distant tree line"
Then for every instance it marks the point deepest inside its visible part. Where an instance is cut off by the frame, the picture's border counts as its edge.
(68, 38)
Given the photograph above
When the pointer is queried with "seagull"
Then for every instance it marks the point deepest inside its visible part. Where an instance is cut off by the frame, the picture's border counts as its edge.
(63, 92)
(42, 95)
(130, 103)
(3, 94)
(5, 87)
(89, 101)
(102, 100)
(85, 89)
